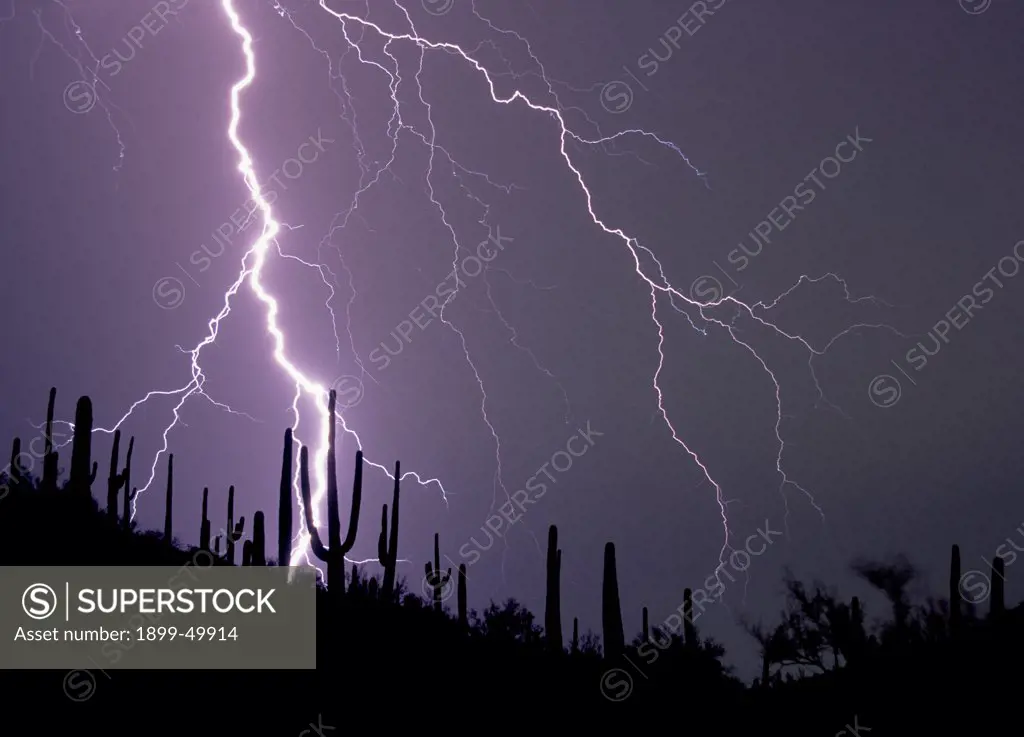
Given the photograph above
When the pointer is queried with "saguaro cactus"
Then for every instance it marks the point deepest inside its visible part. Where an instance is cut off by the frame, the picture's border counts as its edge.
(955, 616)
(169, 502)
(998, 587)
(575, 635)
(284, 504)
(644, 626)
(387, 545)
(689, 628)
(233, 532)
(204, 526)
(83, 469)
(49, 455)
(435, 579)
(611, 613)
(14, 470)
(259, 553)
(235, 537)
(856, 636)
(247, 553)
(334, 553)
(115, 479)
(126, 519)
(463, 610)
(553, 603)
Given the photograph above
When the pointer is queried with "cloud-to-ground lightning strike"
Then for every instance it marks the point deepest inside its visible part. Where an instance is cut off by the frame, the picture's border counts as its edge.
(253, 262)
(696, 312)
(700, 315)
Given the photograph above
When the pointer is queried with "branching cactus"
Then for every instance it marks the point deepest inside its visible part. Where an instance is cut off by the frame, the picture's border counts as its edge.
(435, 579)
(333, 554)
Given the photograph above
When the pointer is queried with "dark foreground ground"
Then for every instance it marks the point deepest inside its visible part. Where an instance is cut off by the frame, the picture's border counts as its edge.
(396, 661)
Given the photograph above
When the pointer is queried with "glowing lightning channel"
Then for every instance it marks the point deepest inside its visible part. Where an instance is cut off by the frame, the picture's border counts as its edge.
(694, 311)
(258, 251)
(253, 262)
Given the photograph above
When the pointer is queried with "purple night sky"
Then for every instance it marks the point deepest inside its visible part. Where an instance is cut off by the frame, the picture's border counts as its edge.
(872, 148)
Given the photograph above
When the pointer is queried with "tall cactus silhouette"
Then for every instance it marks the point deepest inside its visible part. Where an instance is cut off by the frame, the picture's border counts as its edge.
(611, 613)
(115, 478)
(234, 530)
(387, 545)
(955, 616)
(575, 635)
(645, 629)
(463, 609)
(259, 551)
(49, 482)
(857, 637)
(334, 553)
(284, 504)
(553, 600)
(998, 602)
(247, 553)
(14, 470)
(83, 468)
(434, 578)
(129, 491)
(169, 502)
(204, 526)
(689, 628)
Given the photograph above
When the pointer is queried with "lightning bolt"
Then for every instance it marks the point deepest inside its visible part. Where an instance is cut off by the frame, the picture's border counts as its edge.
(253, 263)
(701, 316)
(697, 313)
